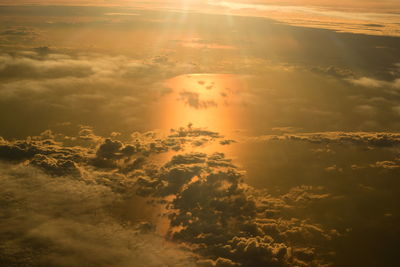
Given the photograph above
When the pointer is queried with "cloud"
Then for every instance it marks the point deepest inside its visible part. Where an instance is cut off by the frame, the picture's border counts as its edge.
(227, 142)
(334, 71)
(119, 93)
(191, 131)
(13, 34)
(374, 83)
(61, 155)
(368, 82)
(78, 88)
(65, 222)
(334, 170)
(102, 173)
(192, 99)
(21, 150)
(212, 210)
(53, 67)
(348, 16)
(322, 195)
(380, 139)
(204, 198)
(219, 218)
(387, 164)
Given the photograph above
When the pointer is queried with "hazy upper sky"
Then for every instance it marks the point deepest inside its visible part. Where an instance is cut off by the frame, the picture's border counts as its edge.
(358, 16)
(199, 133)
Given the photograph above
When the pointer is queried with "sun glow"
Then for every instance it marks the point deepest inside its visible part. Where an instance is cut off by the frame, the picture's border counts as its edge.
(211, 100)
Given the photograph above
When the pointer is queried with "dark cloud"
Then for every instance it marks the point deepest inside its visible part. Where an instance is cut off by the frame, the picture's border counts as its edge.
(59, 155)
(17, 31)
(222, 221)
(375, 25)
(44, 237)
(334, 72)
(214, 212)
(57, 167)
(21, 150)
(227, 142)
(348, 183)
(380, 139)
(191, 131)
(210, 209)
(10, 35)
(193, 100)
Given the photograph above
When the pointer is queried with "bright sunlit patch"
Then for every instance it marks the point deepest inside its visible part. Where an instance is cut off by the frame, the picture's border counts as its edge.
(197, 43)
(206, 100)
(121, 14)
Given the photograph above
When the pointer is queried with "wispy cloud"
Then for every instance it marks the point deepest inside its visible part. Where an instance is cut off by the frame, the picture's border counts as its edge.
(319, 15)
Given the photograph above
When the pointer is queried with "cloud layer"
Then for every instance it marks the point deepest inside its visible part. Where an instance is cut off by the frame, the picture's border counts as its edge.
(299, 165)
(210, 210)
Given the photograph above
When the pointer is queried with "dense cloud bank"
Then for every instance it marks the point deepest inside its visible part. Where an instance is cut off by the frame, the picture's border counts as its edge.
(61, 200)
(220, 217)
(205, 205)
(75, 200)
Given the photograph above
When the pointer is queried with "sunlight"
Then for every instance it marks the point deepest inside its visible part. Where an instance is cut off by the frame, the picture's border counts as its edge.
(206, 100)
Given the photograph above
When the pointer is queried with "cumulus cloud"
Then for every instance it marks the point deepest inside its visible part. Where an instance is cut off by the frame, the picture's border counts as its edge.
(211, 211)
(208, 207)
(62, 155)
(334, 170)
(59, 231)
(214, 212)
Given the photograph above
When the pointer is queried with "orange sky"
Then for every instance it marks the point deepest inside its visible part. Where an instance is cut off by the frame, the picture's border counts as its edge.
(359, 4)
(357, 16)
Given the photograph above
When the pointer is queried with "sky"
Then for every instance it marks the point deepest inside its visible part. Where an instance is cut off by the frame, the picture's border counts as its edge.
(200, 133)
(361, 16)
